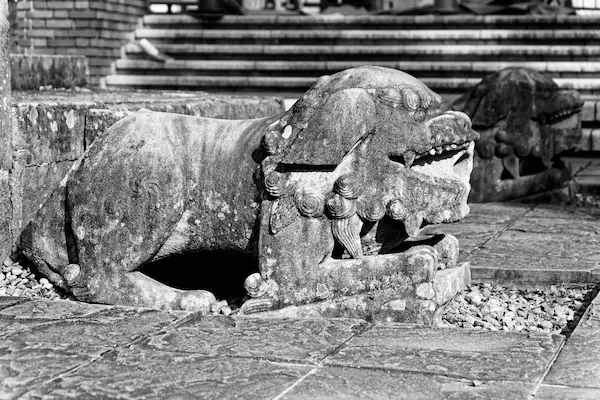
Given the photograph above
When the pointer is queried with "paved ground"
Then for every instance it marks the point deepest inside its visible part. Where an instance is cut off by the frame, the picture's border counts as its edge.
(62, 349)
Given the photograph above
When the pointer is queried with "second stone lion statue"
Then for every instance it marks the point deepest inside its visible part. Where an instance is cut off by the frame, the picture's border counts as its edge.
(330, 197)
(526, 121)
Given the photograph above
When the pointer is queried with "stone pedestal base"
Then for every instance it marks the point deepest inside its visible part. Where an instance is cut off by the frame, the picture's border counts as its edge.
(423, 305)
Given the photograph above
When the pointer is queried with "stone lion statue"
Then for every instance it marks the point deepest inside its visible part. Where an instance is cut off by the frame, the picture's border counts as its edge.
(525, 122)
(330, 198)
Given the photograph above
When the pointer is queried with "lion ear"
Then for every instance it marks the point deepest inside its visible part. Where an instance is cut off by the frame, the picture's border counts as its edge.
(334, 128)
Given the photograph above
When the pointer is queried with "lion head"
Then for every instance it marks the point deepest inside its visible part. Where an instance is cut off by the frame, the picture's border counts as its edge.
(354, 170)
(525, 122)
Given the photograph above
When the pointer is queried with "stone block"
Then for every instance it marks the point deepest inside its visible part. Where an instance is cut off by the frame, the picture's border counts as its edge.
(306, 341)
(366, 383)
(153, 374)
(31, 186)
(465, 353)
(578, 364)
(221, 107)
(597, 110)
(588, 112)
(98, 121)
(586, 140)
(29, 72)
(595, 139)
(5, 120)
(5, 215)
(48, 132)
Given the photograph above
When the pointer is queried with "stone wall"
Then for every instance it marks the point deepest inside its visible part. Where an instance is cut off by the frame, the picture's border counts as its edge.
(31, 72)
(5, 136)
(93, 28)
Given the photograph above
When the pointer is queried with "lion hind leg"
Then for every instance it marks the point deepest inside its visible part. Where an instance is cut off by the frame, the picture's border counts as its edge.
(137, 289)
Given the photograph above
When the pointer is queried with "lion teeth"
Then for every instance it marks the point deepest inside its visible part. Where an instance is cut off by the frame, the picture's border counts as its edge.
(432, 152)
(453, 146)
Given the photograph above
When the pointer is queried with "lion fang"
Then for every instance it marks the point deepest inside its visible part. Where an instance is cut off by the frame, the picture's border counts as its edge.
(346, 231)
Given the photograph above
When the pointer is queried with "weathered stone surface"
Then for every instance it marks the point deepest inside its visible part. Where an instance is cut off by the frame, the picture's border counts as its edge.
(5, 96)
(131, 374)
(578, 364)
(29, 72)
(111, 328)
(470, 354)
(31, 186)
(332, 211)
(100, 120)
(524, 120)
(48, 132)
(559, 226)
(366, 383)
(25, 365)
(6, 210)
(549, 392)
(417, 305)
(295, 340)
(44, 309)
(495, 213)
(6, 301)
(561, 212)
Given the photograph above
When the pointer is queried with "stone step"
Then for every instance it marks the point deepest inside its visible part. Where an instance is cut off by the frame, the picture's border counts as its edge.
(368, 36)
(299, 83)
(377, 53)
(379, 22)
(556, 69)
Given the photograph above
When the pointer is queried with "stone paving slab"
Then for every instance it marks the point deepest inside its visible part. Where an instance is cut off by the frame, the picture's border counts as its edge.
(107, 330)
(578, 364)
(44, 309)
(10, 301)
(537, 258)
(530, 244)
(131, 374)
(549, 392)
(367, 383)
(25, 365)
(286, 340)
(464, 353)
(127, 353)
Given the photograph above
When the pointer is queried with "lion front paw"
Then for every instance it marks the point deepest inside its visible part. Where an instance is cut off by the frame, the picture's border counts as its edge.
(425, 257)
(198, 301)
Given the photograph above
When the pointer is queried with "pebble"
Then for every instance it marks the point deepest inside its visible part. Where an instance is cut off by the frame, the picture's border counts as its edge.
(494, 308)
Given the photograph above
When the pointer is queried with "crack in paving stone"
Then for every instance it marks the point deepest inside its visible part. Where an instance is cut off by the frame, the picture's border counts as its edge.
(322, 361)
(540, 382)
(500, 232)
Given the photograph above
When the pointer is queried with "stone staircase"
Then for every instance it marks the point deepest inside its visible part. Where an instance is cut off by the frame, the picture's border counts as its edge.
(284, 54)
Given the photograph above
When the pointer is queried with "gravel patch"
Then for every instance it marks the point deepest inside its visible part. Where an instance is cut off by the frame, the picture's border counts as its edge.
(484, 306)
(579, 200)
(17, 280)
(555, 309)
